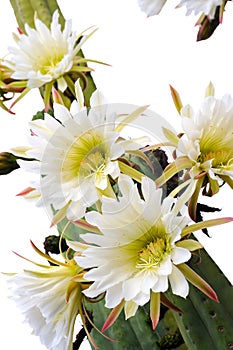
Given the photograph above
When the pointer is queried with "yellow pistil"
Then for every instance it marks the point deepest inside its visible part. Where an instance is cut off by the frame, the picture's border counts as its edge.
(94, 163)
(48, 63)
(153, 253)
(221, 159)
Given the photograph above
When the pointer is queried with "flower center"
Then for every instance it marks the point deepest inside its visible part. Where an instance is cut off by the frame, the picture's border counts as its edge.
(221, 159)
(216, 143)
(86, 156)
(46, 64)
(94, 162)
(153, 253)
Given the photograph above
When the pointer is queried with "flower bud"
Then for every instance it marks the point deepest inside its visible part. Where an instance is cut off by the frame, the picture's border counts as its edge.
(51, 244)
(8, 163)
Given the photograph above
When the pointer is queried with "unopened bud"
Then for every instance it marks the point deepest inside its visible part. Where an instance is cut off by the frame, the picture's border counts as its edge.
(208, 26)
(51, 244)
(8, 163)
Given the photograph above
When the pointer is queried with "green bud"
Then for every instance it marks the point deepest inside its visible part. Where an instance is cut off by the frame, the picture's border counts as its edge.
(51, 244)
(8, 163)
(208, 26)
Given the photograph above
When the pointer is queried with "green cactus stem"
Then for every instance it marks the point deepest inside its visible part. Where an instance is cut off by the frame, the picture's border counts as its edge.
(205, 324)
(25, 11)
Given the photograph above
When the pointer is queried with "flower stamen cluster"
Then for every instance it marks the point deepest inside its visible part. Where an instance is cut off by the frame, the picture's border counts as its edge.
(153, 254)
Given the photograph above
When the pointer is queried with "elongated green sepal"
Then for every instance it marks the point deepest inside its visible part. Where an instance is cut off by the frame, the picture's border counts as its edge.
(227, 179)
(5, 108)
(205, 224)
(198, 282)
(85, 225)
(189, 244)
(173, 138)
(24, 93)
(46, 256)
(113, 316)
(176, 99)
(130, 118)
(192, 206)
(143, 156)
(179, 164)
(209, 90)
(60, 214)
(166, 302)
(154, 309)
(133, 173)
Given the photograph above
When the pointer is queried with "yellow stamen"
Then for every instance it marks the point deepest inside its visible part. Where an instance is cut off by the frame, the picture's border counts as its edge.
(153, 253)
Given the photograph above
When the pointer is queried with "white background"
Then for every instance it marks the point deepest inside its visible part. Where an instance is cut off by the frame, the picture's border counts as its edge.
(146, 55)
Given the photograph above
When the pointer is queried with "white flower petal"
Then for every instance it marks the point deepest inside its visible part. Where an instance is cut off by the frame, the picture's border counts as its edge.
(61, 112)
(208, 7)
(178, 282)
(132, 286)
(141, 298)
(161, 285)
(130, 309)
(30, 165)
(114, 296)
(153, 200)
(165, 267)
(180, 255)
(151, 7)
(98, 100)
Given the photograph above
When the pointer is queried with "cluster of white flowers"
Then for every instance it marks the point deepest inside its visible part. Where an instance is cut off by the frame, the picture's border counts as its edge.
(137, 243)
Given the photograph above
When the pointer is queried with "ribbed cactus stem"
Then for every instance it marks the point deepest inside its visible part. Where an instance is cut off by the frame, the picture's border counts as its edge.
(42, 11)
(52, 5)
(25, 10)
(205, 324)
